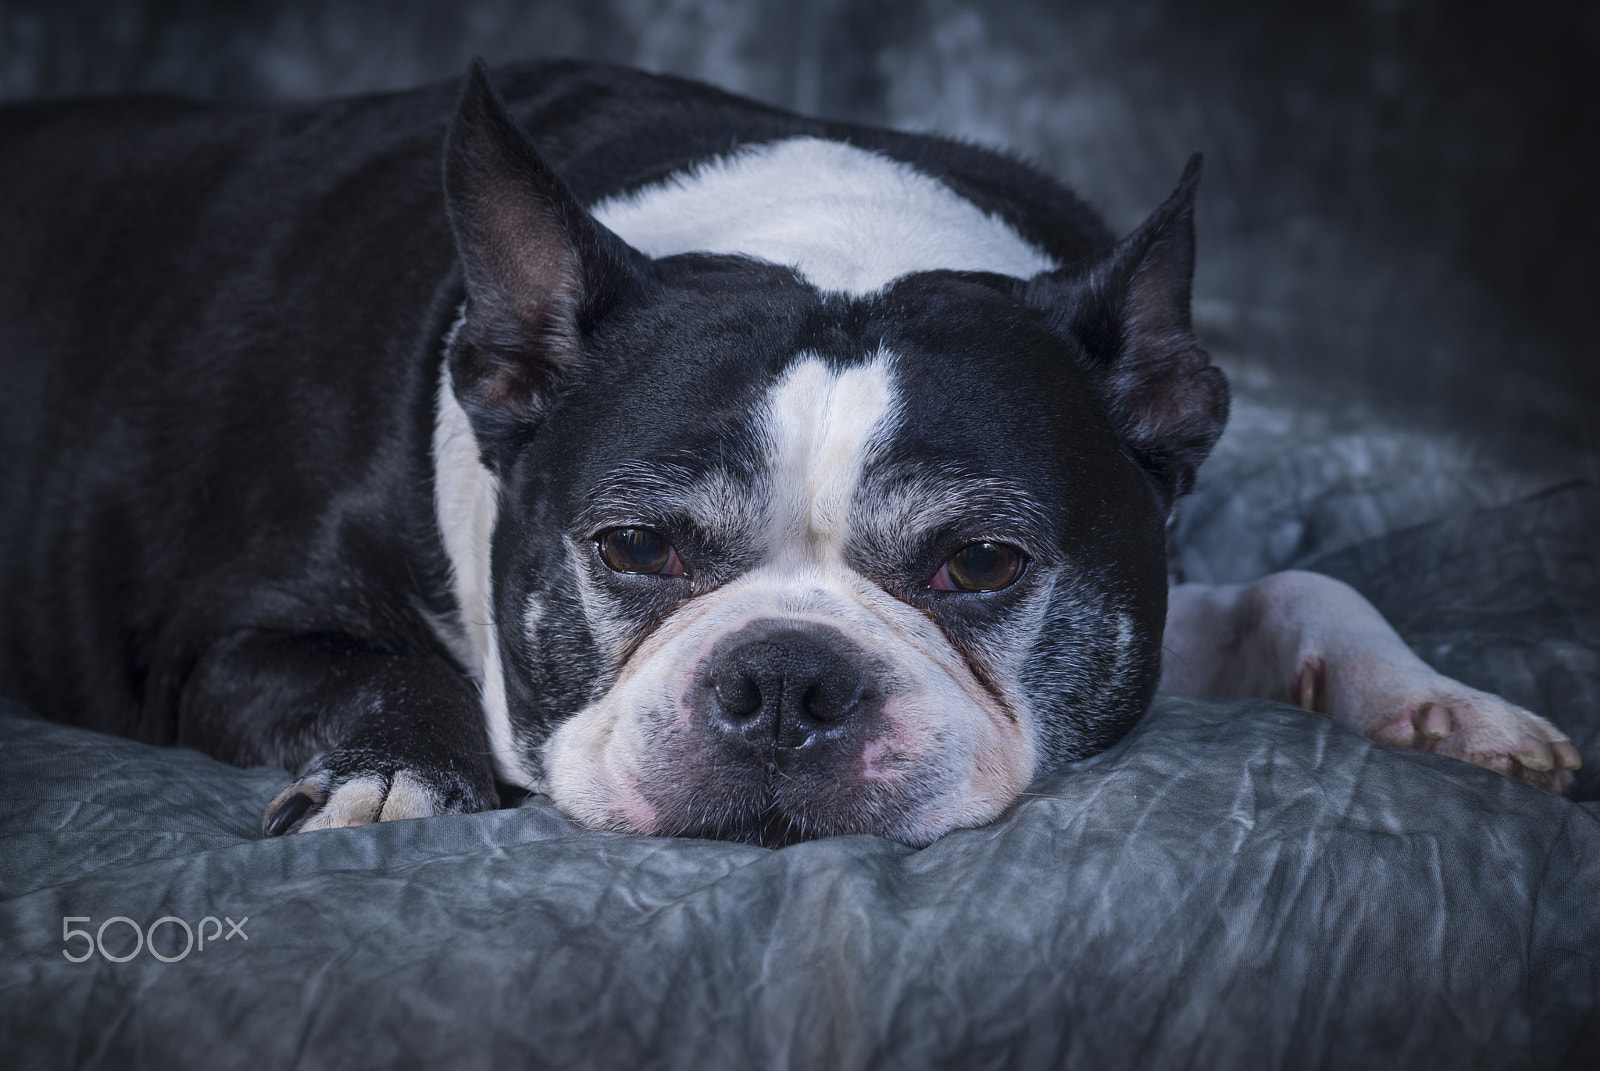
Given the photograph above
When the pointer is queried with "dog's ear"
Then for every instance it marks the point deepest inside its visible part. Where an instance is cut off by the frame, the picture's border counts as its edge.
(539, 270)
(1127, 310)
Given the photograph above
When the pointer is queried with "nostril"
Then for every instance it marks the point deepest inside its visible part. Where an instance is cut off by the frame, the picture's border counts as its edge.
(812, 705)
(832, 698)
(738, 694)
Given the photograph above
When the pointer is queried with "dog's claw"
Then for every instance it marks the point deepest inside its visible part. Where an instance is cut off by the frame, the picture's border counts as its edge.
(291, 811)
(1435, 721)
(1306, 688)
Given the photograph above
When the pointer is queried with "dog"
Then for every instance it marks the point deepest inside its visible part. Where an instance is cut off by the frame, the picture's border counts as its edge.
(715, 471)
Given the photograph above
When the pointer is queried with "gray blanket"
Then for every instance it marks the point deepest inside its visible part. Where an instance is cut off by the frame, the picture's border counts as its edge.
(1234, 885)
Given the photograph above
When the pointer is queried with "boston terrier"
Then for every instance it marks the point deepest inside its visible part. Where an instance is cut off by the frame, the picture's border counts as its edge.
(713, 470)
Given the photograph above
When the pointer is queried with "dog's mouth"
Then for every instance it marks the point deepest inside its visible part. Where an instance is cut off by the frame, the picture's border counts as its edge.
(771, 828)
(774, 808)
(767, 826)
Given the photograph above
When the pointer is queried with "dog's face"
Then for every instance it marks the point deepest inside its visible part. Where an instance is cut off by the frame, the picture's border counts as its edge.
(770, 562)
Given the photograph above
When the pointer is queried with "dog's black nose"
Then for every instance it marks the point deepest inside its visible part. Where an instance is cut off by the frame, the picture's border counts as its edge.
(785, 686)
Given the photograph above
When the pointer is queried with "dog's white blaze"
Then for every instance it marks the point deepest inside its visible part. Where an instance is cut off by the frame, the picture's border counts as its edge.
(821, 425)
(847, 219)
(466, 501)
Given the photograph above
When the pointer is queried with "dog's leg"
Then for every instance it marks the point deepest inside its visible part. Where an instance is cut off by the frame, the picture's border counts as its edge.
(372, 735)
(1308, 639)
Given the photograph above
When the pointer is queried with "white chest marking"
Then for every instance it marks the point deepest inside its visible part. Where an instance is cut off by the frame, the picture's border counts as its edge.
(848, 220)
(821, 425)
(466, 498)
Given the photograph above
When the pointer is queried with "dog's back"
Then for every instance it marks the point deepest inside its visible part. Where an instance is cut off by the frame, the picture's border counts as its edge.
(201, 309)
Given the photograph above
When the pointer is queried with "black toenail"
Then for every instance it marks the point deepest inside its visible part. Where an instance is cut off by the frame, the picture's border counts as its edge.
(293, 809)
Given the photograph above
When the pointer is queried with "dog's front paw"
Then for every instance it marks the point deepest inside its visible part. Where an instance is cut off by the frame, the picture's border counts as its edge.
(1415, 707)
(339, 790)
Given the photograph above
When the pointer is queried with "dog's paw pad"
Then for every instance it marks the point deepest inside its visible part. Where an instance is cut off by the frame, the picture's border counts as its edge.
(322, 801)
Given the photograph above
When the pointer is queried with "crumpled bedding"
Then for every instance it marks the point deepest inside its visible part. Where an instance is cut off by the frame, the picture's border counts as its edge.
(1236, 884)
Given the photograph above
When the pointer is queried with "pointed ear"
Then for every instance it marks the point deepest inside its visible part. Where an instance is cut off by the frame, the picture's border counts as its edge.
(1127, 309)
(539, 271)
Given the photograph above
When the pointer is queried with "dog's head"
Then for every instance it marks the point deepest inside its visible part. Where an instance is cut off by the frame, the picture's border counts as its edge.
(766, 561)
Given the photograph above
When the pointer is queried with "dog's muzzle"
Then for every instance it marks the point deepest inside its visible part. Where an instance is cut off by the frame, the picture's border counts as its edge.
(781, 709)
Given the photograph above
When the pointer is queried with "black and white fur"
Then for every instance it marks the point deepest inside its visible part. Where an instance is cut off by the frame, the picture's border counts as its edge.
(308, 466)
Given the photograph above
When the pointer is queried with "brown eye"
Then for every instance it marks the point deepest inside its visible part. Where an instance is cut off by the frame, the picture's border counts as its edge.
(979, 567)
(639, 550)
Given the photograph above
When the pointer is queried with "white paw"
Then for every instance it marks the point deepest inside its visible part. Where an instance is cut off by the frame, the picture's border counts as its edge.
(1404, 703)
(316, 802)
(336, 792)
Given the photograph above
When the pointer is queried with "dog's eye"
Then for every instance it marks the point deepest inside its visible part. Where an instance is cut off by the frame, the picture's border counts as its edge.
(979, 567)
(639, 550)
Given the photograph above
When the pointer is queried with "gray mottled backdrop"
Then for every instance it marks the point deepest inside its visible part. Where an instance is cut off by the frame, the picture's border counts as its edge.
(1399, 267)
(1399, 207)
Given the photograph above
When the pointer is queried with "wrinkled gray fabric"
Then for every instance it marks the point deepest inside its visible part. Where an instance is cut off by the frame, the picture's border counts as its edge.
(1235, 885)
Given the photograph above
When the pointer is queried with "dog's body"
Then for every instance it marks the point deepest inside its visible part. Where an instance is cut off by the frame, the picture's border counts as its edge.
(758, 477)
